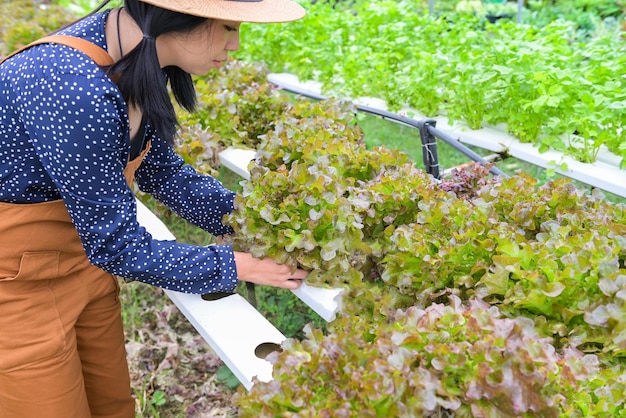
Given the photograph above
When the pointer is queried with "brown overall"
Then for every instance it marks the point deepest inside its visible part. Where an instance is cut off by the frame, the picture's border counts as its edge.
(62, 352)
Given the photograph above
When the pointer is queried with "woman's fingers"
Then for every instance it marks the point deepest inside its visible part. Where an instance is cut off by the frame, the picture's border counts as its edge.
(299, 274)
(267, 272)
(292, 284)
(288, 279)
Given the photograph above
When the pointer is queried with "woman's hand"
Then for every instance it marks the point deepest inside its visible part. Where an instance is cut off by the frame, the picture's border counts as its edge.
(266, 271)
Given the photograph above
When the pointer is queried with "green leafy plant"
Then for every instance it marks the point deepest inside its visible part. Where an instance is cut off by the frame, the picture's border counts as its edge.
(158, 399)
(199, 147)
(333, 198)
(453, 359)
(83, 7)
(235, 105)
(587, 15)
(225, 376)
(547, 84)
(394, 239)
(23, 21)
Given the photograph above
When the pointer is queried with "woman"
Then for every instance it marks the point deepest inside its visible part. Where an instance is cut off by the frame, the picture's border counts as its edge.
(68, 129)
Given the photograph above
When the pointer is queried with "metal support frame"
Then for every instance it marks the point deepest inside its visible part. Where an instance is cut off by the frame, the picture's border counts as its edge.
(429, 147)
(464, 150)
(426, 127)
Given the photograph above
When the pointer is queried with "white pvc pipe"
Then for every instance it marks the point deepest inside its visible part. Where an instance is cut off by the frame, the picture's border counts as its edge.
(234, 329)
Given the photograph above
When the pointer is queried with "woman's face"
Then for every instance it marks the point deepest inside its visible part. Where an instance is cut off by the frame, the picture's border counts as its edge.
(202, 49)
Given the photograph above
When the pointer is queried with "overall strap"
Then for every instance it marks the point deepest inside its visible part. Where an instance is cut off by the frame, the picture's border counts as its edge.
(99, 55)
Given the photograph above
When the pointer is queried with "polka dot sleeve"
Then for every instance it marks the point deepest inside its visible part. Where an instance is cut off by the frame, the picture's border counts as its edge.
(200, 199)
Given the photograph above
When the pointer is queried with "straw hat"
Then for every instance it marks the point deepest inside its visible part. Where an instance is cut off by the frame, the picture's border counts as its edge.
(254, 11)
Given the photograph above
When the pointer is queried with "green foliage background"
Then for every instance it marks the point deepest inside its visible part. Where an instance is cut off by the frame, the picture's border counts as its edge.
(474, 296)
(547, 82)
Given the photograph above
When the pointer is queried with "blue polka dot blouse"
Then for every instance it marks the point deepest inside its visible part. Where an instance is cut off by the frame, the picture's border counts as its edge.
(64, 134)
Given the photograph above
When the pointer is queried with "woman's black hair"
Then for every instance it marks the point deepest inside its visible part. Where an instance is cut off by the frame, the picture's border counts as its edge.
(141, 79)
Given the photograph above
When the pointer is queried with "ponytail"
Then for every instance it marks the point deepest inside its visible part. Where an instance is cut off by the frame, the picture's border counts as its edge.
(142, 81)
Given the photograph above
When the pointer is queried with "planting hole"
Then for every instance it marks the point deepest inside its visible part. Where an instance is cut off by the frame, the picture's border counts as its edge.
(216, 296)
(264, 349)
